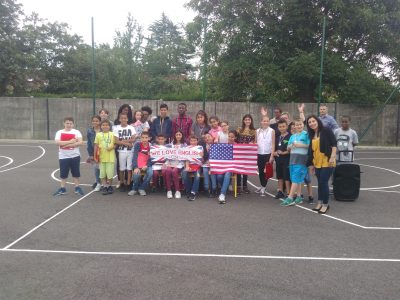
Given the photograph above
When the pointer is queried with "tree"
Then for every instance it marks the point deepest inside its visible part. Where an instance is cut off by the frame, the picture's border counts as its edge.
(10, 54)
(283, 39)
(51, 57)
(166, 58)
(167, 51)
(128, 47)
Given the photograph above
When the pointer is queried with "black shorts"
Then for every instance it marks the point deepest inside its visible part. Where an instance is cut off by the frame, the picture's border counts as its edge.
(282, 171)
(72, 164)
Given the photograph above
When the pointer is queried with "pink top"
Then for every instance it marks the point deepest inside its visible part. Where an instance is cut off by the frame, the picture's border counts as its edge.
(214, 132)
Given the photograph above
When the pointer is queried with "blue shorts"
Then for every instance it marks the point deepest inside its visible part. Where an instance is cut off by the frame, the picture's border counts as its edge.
(297, 173)
(72, 164)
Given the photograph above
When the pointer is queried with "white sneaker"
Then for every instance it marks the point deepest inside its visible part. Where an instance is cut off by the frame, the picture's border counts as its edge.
(177, 195)
(262, 192)
(132, 192)
(259, 190)
(97, 188)
(169, 195)
(221, 199)
(118, 185)
(142, 193)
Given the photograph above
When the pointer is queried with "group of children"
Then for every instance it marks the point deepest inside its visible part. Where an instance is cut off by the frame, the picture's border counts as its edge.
(126, 143)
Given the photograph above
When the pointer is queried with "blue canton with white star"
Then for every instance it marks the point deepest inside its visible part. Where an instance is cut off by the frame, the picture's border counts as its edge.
(221, 151)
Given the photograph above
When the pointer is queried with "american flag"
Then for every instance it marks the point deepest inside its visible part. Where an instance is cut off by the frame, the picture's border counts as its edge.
(236, 158)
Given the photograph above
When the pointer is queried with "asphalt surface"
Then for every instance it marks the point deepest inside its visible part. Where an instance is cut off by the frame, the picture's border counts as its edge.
(121, 247)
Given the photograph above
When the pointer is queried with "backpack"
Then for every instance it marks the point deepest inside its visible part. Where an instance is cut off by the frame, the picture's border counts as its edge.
(343, 143)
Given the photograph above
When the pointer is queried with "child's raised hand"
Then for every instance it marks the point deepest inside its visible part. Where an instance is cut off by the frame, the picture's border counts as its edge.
(264, 111)
(300, 107)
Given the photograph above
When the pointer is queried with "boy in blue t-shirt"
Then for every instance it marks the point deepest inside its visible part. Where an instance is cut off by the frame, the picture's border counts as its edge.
(298, 147)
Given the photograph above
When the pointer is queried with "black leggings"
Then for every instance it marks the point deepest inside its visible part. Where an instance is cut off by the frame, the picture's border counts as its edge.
(262, 159)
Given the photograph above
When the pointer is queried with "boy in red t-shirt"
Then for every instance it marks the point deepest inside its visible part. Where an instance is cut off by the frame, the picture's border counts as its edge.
(141, 162)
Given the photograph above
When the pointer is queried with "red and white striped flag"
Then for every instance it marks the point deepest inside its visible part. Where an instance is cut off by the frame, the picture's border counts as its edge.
(236, 158)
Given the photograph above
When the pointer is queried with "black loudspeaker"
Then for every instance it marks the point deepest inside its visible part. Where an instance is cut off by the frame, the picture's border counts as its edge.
(346, 182)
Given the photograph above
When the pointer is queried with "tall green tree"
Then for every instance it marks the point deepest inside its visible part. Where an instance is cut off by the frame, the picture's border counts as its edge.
(282, 38)
(167, 51)
(166, 58)
(128, 46)
(50, 55)
(11, 51)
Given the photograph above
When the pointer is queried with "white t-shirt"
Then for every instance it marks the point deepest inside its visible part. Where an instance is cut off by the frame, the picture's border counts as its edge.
(346, 139)
(264, 140)
(68, 152)
(124, 133)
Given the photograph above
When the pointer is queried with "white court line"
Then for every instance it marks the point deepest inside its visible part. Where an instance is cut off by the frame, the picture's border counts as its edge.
(382, 187)
(46, 221)
(53, 176)
(372, 188)
(382, 191)
(10, 161)
(24, 164)
(378, 152)
(335, 218)
(205, 255)
(374, 158)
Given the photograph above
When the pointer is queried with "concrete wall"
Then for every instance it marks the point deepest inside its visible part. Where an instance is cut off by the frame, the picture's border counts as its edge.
(40, 118)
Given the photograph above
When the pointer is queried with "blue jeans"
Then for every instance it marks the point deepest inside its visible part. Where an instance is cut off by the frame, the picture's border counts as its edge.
(188, 181)
(223, 180)
(206, 178)
(323, 175)
(146, 180)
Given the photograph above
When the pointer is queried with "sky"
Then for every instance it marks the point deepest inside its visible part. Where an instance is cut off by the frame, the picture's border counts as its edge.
(109, 16)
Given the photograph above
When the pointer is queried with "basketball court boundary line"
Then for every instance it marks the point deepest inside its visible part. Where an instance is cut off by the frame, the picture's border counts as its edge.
(369, 188)
(380, 158)
(27, 163)
(10, 161)
(202, 255)
(384, 191)
(334, 218)
(46, 221)
(53, 176)
(377, 152)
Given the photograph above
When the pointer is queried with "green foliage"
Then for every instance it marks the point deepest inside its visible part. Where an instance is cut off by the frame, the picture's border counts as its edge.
(252, 50)
(270, 50)
(11, 53)
(363, 87)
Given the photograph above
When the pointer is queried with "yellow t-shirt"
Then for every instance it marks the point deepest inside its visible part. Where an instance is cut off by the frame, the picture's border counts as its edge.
(320, 160)
(104, 140)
